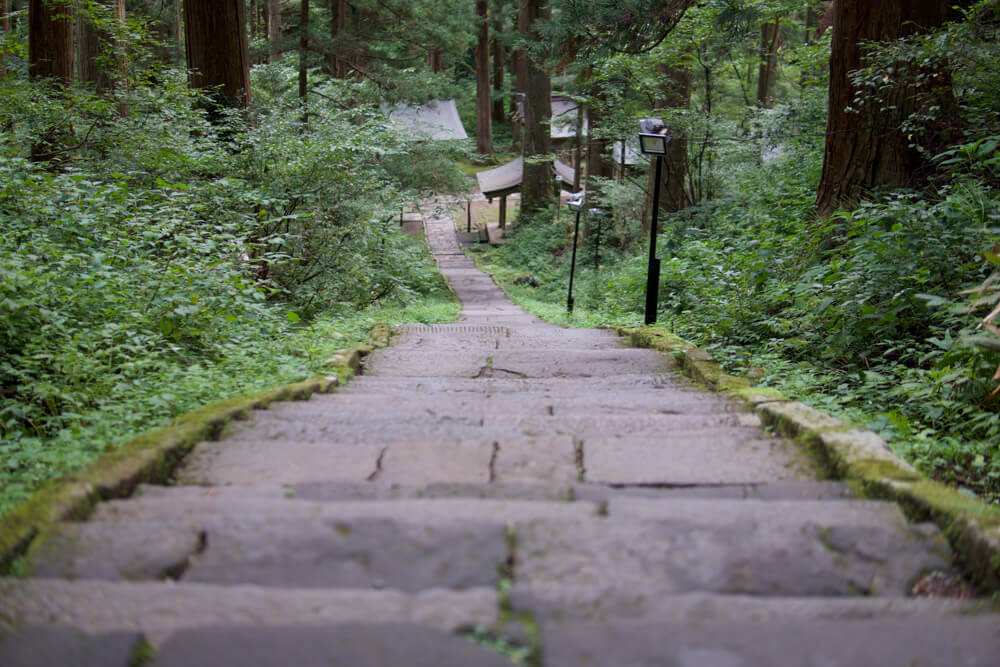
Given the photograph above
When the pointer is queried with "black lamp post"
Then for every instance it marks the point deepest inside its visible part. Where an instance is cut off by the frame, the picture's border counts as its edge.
(653, 140)
(576, 203)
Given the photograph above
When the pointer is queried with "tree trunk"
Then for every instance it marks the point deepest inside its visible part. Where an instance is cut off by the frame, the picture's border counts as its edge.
(866, 147)
(5, 28)
(537, 184)
(338, 62)
(179, 25)
(435, 60)
(303, 63)
(767, 75)
(499, 115)
(100, 54)
(484, 125)
(273, 30)
(215, 41)
(599, 162)
(50, 56)
(50, 40)
(676, 93)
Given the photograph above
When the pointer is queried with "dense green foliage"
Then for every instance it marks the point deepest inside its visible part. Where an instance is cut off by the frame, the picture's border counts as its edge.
(166, 260)
(862, 314)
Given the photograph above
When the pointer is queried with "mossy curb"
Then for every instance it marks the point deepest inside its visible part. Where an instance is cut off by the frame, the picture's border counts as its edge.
(153, 456)
(856, 455)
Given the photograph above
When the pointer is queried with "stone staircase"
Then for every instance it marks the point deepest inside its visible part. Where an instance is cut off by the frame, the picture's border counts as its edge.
(493, 490)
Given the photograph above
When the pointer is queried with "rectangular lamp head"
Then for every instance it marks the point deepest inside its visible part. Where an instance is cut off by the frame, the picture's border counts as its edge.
(653, 144)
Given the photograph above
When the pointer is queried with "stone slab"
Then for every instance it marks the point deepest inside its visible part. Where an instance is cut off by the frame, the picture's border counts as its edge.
(544, 460)
(578, 604)
(36, 645)
(350, 553)
(201, 509)
(157, 610)
(927, 642)
(254, 461)
(744, 547)
(696, 459)
(423, 463)
(144, 550)
(523, 364)
(356, 645)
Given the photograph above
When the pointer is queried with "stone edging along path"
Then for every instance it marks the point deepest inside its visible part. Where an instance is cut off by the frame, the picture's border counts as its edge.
(856, 455)
(152, 457)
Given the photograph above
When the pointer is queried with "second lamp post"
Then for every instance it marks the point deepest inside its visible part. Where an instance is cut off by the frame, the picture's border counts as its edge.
(653, 140)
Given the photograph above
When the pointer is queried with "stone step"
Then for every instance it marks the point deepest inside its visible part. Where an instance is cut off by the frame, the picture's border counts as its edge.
(669, 383)
(242, 461)
(613, 551)
(720, 456)
(886, 642)
(649, 547)
(160, 609)
(357, 645)
(522, 403)
(35, 645)
(341, 429)
(327, 491)
(514, 363)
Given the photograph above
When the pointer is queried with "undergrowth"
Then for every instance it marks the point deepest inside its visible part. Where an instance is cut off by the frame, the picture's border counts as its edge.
(860, 314)
(170, 257)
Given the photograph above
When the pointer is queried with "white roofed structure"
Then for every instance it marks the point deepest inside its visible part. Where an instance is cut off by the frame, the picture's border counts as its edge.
(437, 120)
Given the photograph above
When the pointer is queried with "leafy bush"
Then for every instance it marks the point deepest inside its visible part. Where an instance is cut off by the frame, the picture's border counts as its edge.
(851, 313)
(166, 260)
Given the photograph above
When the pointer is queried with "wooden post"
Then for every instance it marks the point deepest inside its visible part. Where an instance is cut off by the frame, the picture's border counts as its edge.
(503, 212)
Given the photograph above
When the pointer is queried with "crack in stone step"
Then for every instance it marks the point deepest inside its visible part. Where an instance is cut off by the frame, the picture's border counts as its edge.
(378, 465)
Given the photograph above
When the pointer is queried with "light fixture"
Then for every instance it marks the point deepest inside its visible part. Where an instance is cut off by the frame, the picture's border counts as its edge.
(653, 137)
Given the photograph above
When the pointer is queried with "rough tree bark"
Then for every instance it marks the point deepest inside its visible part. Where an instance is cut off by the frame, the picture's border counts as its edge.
(50, 56)
(435, 60)
(273, 30)
(767, 74)
(337, 61)
(499, 115)
(865, 145)
(50, 40)
(303, 60)
(215, 43)
(5, 28)
(94, 45)
(537, 185)
(484, 125)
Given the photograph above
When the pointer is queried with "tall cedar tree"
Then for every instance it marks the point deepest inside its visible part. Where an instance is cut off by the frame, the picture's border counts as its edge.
(484, 126)
(273, 30)
(537, 183)
(50, 56)
(50, 40)
(496, 8)
(215, 42)
(866, 147)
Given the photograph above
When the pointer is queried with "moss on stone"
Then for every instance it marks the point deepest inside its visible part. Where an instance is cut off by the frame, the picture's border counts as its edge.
(755, 396)
(61, 500)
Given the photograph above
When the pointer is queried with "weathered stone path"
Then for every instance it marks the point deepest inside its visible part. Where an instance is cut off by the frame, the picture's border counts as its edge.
(542, 484)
